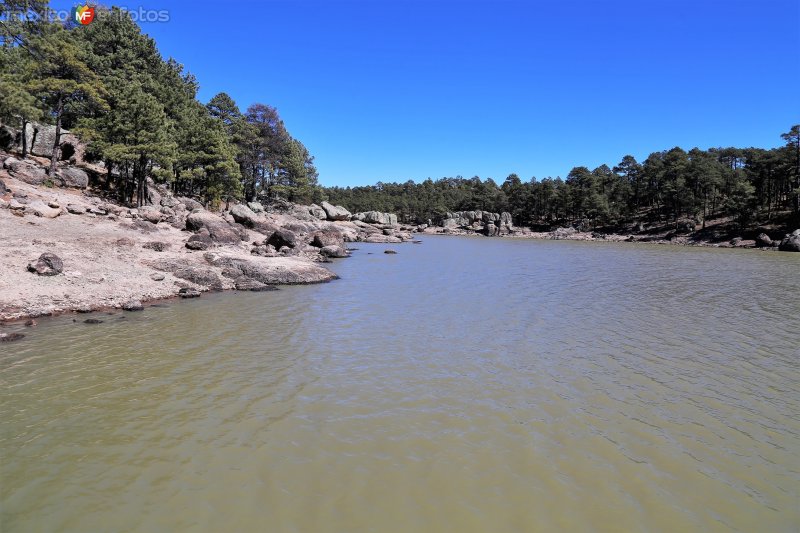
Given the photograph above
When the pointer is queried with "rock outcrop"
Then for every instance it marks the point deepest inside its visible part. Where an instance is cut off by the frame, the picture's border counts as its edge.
(219, 230)
(791, 242)
(482, 222)
(335, 212)
(25, 170)
(72, 177)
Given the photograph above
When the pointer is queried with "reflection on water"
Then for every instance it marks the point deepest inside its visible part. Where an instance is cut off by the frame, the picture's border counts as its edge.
(461, 385)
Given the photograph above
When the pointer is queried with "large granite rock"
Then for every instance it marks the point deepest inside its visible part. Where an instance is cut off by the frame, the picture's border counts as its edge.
(72, 177)
(199, 276)
(244, 215)
(335, 212)
(282, 237)
(274, 270)
(40, 209)
(764, 241)
(25, 170)
(333, 251)
(791, 242)
(317, 212)
(256, 207)
(190, 204)
(218, 229)
(327, 237)
(150, 214)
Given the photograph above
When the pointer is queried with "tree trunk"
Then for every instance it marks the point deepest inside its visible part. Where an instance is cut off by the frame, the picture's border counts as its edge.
(54, 155)
(24, 138)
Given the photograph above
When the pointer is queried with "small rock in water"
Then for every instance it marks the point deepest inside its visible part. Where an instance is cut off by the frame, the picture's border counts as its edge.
(11, 337)
(186, 292)
(133, 305)
(30, 323)
(92, 321)
(389, 252)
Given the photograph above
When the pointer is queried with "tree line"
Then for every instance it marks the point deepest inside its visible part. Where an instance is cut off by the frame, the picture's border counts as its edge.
(140, 117)
(139, 114)
(749, 184)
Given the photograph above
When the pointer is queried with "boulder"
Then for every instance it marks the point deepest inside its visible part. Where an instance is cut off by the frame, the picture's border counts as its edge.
(491, 230)
(25, 171)
(218, 229)
(333, 251)
(158, 276)
(150, 214)
(170, 201)
(791, 242)
(505, 219)
(76, 209)
(243, 283)
(157, 246)
(48, 264)
(72, 177)
(317, 212)
(335, 212)
(327, 237)
(244, 215)
(153, 196)
(40, 209)
(133, 305)
(763, 241)
(200, 276)
(274, 270)
(187, 292)
(685, 225)
(562, 233)
(3, 188)
(282, 237)
(735, 241)
(383, 239)
(200, 240)
(190, 204)
(256, 207)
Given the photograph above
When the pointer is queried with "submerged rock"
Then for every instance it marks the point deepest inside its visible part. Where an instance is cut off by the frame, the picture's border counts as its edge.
(11, 337)
(187, 292)
(133, 305)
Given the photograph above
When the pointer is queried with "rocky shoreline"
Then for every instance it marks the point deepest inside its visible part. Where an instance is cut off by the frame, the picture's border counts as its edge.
(685, 233)
(68, 248)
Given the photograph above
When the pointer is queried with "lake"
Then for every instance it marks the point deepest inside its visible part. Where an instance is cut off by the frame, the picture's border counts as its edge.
(464, 384)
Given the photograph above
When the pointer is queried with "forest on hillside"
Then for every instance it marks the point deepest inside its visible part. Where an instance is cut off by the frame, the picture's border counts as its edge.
(751, 185)
(139, 113)
(140, 116)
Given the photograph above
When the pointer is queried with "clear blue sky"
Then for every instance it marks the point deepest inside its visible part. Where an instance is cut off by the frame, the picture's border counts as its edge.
(391, 91)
